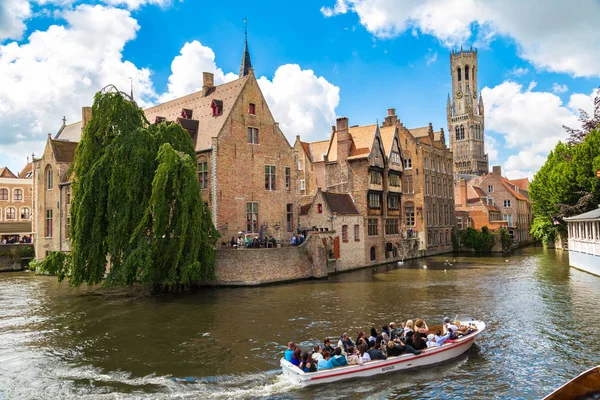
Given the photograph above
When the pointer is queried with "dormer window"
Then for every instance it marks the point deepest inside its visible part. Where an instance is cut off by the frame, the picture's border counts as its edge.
(217, 108)
(252, 109)
(186, 113)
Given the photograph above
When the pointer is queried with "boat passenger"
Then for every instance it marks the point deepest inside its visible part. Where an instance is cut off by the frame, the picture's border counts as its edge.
(431, 342)
(409, 327)
(297, 357)
(325, 362)
(345, 342)
(393, 349)
(360, 335)
(418, 343)
(449, 325)
(395, 333)
(363, 349)
(385, 332)
(289, 353)
(442, 339)
(421, 327)
(307, 364)
(316, 355)
(373, 334)
(338, 359)
(354, 357)
(375, 353)
(327, 345)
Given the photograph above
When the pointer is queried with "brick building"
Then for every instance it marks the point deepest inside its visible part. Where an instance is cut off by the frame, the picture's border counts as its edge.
(475, 208)
(466, 115)
(52, 188)
(16, 194)
(364, 163)
(246, 167)
(428, 198)
(513, 201)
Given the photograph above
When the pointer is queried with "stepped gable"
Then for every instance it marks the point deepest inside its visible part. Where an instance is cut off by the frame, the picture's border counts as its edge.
(209, 126)
(64, 151)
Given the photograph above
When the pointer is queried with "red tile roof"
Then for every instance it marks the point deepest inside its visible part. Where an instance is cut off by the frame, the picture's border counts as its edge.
(26, 171)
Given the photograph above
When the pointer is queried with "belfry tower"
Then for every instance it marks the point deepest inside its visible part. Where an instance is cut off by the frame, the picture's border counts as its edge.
(465, 115)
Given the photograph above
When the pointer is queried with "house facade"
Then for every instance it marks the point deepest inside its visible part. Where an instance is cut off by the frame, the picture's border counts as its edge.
(428, 198)
(246, 168)
(16, 211)
(514, 203)
(475, 208)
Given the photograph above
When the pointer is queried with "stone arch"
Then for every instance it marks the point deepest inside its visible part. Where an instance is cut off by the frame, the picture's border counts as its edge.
(373, 253)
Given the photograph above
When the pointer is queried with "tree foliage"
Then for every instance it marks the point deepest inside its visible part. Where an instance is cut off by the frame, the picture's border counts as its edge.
(479, 241)
(566, 185)
(136, 209)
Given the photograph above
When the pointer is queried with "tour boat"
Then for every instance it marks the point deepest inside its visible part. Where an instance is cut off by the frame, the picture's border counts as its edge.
(429, 356)
(584, 386)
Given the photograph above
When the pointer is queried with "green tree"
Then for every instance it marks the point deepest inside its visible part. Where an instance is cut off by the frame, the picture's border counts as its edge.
(136, 208)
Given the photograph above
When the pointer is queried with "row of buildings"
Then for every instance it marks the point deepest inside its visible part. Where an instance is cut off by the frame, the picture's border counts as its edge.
(16, 198)
(375, 193)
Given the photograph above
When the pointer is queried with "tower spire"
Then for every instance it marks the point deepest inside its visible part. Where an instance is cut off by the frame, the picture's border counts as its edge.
(246, 63)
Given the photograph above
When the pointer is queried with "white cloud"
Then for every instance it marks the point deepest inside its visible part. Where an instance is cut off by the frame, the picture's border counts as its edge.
(187, 67)
(302, 102)
(57, 71)
(529, 121)
(12, 15)
(135, 4)
(562, 41)
(520, 71)
(431, 57)
(518, 174)
(585, 102)
(491, 148)
(340, 7)
(558, 88)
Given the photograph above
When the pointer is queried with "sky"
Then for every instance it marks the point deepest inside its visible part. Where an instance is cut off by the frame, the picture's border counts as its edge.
(315, 60)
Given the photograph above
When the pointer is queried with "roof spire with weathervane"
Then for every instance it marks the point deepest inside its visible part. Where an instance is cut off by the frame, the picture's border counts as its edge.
(246, 63)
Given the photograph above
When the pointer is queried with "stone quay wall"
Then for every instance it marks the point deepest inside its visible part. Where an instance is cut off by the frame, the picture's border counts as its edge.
(13, 257)
(248, 267)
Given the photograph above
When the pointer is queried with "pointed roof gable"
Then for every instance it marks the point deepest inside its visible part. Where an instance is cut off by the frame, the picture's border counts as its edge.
(522, 184)
(6, 173)
(316, 151)
(64, 151)
(209, 126)
(71, 132)
(420, 132)
(388, 133)
(27, 171)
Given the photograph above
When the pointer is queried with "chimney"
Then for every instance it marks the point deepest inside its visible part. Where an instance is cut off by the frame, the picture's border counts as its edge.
(497, 170)
(343, 139)
(208, 82)
(86, 114)
(391, 118)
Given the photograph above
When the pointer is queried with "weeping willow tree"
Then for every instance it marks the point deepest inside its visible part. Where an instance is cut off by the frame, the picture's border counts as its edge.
(136, 209)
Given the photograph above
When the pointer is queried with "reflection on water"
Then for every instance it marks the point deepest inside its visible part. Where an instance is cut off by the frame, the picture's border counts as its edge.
(56, 341)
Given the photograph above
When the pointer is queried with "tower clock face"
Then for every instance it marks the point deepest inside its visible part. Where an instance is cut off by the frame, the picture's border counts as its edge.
(458, 94)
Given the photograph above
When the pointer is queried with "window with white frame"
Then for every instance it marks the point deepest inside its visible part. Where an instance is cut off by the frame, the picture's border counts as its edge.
(252, 216)
(18, 195)
(407, 163)
(270, 177)
(506, 203)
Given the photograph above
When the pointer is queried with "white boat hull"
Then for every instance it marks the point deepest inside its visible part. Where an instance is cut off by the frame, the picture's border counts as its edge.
(403, 362)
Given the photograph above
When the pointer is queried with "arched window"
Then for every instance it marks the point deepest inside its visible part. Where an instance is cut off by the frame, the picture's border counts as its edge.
(25, 213)
(373, 254)
(473, 73)
(457, 131)
(3, 194)
(10, 213)
(459, 75)
(18, 195)
(466, 72)
(462, 132)
(49, 177)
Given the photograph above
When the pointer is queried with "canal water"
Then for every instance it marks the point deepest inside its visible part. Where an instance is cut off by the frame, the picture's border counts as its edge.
(61, 342)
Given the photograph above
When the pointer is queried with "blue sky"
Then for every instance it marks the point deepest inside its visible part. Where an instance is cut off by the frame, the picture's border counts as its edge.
(354, 58)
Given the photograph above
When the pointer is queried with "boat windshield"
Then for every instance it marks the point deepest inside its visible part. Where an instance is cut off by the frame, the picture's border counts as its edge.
(464, 319)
